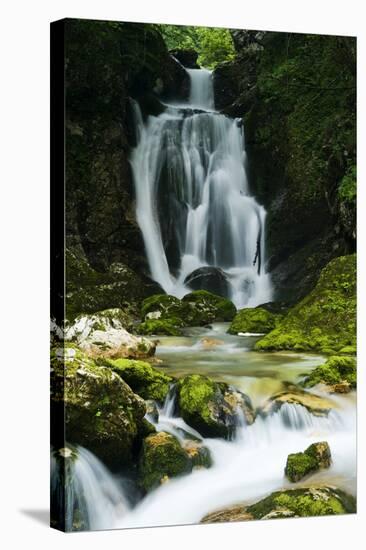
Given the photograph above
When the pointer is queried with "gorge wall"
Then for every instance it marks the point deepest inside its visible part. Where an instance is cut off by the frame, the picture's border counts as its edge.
(297, 96)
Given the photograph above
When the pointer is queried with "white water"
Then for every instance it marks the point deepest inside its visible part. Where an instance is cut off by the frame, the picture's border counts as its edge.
(91, 492)
(193, 203)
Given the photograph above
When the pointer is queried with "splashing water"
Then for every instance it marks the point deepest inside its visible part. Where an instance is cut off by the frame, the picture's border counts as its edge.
(193, 203)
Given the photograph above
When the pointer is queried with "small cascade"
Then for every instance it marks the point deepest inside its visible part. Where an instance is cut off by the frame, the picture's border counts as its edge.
(193, 202)
(88, 495)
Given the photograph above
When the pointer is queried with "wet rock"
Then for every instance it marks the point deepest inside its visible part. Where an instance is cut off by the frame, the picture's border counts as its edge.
(206, 307)
(199, 455)
(338, 375)
(213, 409)
(162, 457)
(313, 501)
(187, 57)
(152, 410)
(101, 411)
(103, 334)
(255, 320)
(210, 343)
(318, 406)
(314, 458)
(232, 513)
(325, 320)
(212, 279)
(143, 378)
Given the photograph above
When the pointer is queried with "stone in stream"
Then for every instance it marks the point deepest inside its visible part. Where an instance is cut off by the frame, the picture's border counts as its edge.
(162, 457)
(152, 410)
(213, 409)
(254, 320)
(102, 413)
(210, 343)
(318, 406)
(304, 502)
(337, 375)
(314, 458)
(208, 278)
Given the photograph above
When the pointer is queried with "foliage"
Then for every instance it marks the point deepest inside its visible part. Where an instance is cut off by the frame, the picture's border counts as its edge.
(214, 45)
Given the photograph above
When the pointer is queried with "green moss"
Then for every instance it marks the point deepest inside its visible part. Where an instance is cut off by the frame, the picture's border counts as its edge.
(161, 457)
(145, 380)
(305, 502)
(335, 370)
(254, 320)
(206, 307)
(323, 320)
(168, 306)
(169, 327)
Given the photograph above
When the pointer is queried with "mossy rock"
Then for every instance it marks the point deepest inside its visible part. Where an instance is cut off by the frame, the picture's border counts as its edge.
(336, 372)
(164, 314)
(254, 320)
(325, 320)
(322, 501)
(143, 378)
(167, 327)
(206, 307)
(229, 514)
(299, 465)
(162, 457)
(101, 411)
(199, 455)
(213, 409)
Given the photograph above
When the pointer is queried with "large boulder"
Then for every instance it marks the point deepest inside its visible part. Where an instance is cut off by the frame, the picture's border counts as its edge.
(165, 314)
(104, 334)
(213, 409)
(208, 278)
(101, 411)
(315, 457)
(307, 502)
(161, 458)
(325, 320)
(255, 320)
(143, 378)
(338, 374)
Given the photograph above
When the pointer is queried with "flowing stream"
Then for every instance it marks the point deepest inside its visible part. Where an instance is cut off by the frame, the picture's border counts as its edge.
(244, 469)
(193, 202)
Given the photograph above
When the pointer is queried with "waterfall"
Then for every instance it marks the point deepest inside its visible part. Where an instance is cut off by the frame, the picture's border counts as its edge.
(193, 203)
(86, 493)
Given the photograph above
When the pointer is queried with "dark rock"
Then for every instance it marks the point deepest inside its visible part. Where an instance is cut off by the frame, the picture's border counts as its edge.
(314, 458)
(187, 57)
(212, 279)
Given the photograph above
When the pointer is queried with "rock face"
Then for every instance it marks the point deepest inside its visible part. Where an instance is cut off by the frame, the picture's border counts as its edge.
(256, 320)
(187, 57)
(164, 314)
(212, 279)
(338, 374)
(325, 320)
(103, 335)
(145, 380)
(314, 501)
(314, 458)
(107, 63)
(293, 139)
(318, 406)
(213, 409)
(162, 457)
(101, 411)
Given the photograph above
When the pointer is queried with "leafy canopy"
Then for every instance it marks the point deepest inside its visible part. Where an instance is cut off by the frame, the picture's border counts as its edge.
(214, 45)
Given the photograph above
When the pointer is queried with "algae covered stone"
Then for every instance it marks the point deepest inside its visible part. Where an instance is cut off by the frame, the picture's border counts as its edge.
(312, 501)
(143, 378)
(338, 373)
(256, 320)
(206, 307)
(316, 456)
(213, 409)
(166, 327)
(325, 320)
(161, 457)
(101, 411)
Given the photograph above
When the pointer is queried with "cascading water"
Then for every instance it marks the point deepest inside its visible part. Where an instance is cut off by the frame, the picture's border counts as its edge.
(193, 203)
